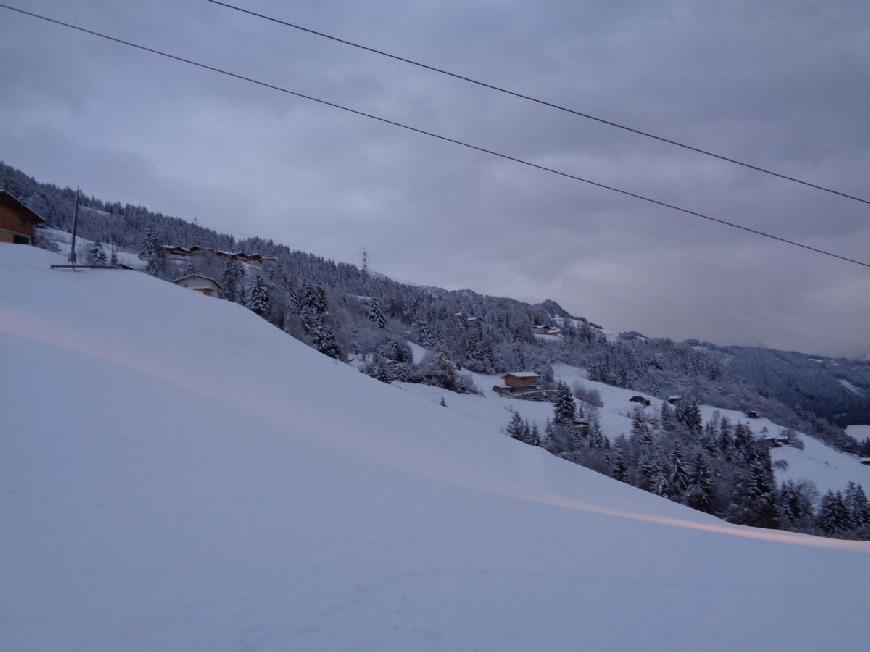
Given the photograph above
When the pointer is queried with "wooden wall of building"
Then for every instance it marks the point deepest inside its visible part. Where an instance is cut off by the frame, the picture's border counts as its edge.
(12, 222)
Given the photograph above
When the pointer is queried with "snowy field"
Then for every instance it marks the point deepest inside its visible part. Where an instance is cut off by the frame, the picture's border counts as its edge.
(178, 475)
(858, 432)
(63, 240)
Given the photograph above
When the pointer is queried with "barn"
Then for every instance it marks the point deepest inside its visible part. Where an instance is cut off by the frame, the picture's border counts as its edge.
(16, 220)
(199, 283)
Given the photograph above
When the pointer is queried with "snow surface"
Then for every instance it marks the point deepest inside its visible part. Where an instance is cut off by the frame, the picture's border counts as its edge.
(858, 432)
(178, 475)
(849, 386)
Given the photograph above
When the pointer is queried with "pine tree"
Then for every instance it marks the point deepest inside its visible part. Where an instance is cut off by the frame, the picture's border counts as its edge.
(795, 504)
(597, 439)
(856, 504)
(379, 369)
(322, 338)
(96, 254)
(757, 491)
(653, 476)
(726, 440)
(534, 436)
(516, 428)
(744, 442)
(258, 299)
(520, 429)
(641, 433)
(314, 299)
(564, 407)
(689, 414)
(700, 491)
(619, 469)
(565, 435)
(231, 281)
(833, 517)
(710, 438)
(678, 482)
(376, 314)
(152, 253)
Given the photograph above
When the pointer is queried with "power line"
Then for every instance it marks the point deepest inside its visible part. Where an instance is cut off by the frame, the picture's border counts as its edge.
(437, 136)
(537, 100)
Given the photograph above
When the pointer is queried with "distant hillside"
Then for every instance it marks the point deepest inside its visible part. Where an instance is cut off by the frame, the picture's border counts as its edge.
(835, 388)
(345, 313)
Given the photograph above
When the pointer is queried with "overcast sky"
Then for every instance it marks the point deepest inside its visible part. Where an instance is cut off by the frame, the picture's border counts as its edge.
(785, 85)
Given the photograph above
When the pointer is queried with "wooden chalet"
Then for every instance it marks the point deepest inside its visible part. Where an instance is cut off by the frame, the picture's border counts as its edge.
(674, 399)
(752, 414)
(17, 222)
(177, 252)
(199, 283)
(518, 381)
(774, 441)
(642, 400)
(865, 461)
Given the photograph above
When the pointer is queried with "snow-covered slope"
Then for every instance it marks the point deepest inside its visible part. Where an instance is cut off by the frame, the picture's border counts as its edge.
(63, 241)
(858, 432)
(827, 467)
(177, 474)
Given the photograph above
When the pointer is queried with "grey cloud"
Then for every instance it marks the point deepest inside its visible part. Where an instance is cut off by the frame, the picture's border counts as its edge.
(783, 84)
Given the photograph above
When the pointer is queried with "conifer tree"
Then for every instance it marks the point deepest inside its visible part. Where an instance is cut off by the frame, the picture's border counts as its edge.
(597, 439)
(534, 436)
(795, 504)
(376, 314)
(321, 336)
(516, 427)
(152, 253)
(258, 299)
(564, 407)
(678, 482)
(700, 491)
(833, 515)
(856, 504)
(619, 468)
(743, 441)
(231, 281)
(96, 254)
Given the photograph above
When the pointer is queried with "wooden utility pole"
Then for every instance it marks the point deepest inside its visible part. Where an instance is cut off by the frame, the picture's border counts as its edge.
(365, 262)
(72, 250)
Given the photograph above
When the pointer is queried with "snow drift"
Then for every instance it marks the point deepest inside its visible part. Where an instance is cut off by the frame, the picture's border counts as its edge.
(177, 474)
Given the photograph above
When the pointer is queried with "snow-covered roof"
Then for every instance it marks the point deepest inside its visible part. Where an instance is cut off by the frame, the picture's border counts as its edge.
(9, 199)
(522, 374)
(199, 276)
(773, 436)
